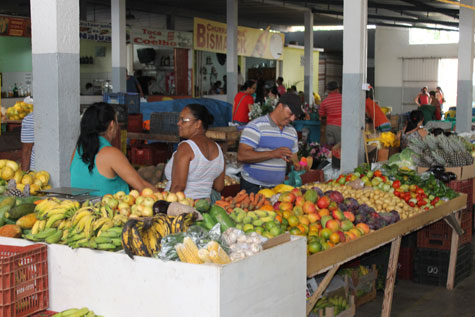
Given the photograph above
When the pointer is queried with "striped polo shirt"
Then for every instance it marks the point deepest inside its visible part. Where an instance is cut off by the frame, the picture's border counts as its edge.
(262, 134)
(28, 135)
(331, 108)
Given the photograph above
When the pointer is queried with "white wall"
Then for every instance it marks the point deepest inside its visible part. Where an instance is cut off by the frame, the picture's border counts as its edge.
(391, 45)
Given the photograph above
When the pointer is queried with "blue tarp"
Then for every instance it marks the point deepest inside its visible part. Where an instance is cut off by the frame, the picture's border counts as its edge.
(219, 109)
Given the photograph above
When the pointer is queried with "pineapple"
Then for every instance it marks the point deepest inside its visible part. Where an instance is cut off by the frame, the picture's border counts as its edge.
(438, 158)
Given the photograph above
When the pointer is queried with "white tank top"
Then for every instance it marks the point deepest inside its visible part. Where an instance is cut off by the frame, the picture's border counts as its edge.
(201, 173)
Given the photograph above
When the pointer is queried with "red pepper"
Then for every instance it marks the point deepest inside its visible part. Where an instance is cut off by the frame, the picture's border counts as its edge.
(434, 201)
(348, 177)
(396, 184)
(411, 204)
(384, 178)
(427, 208)
(377, 173)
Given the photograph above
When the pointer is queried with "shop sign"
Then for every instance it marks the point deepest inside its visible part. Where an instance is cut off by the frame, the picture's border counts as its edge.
(168, 38)
(211, 36)
(100, 32)
(10, 26)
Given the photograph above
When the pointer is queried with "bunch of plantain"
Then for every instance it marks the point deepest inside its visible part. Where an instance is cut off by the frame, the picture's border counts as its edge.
(142, 236)
(339, 303)
(77, 312)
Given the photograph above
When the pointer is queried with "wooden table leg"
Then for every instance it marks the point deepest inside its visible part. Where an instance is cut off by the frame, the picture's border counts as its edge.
(391, 277)
(454, 247)
(323, 285)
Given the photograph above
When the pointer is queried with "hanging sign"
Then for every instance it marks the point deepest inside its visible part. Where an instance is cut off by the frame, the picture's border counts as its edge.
(168, 38)
(100, 32)
(211, 36)
(10, 26)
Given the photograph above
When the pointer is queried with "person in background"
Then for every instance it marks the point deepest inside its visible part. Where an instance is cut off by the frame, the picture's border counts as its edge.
(374, 112)
(197, 166)
(423, 98)
(280, 87)
(439, 95)
(95, 163)
(133, 85)
(216, 89)
(414, 127)
(144, 82)
(225, 84)
(242, 101)
(273, 93)
(240, 79)
(331, 108)
(267, 144)
(27, 138)
(260, 87)
(89, 89)
(436, 105)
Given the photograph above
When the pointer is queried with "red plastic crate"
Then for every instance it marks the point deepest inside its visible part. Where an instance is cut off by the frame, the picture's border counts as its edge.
(23, 280)
(148, 154)
(134, 122)
(312, 176)
(405, 265)
(464, 186)
(439, 235)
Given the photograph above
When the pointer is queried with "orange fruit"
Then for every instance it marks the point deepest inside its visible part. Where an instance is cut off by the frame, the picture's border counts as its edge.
(323, 212)
(301, 228)
(293, 221)
(304, 220)
(335, 238)
(267, 208)
(286, 214)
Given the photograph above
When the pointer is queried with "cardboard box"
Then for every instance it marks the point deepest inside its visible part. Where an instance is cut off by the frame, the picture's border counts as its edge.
(394, 122)
(463, 172)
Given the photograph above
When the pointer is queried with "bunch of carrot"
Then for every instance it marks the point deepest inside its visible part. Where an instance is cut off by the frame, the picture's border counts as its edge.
(243, 200)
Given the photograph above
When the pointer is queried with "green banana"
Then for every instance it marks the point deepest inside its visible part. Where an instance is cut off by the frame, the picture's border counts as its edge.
(53, 219)
(106, 246)
(110, 234)
(116, 229)
(68, 312)
(102, 239)
(81, 312)
(117, 242)
(45, 233)
(55, 237)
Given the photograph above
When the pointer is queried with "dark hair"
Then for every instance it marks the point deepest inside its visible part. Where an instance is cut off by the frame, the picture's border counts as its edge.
(248, 84)
(201, 113)
(88, 85)
(280, 78)
(437, 131)
(332, 86)
(414, 118)
(294, 88)
(95, 120)
(432, 93)
(274, 90)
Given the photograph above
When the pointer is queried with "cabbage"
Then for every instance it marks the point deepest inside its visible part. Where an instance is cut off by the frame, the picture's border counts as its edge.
(406, 154)
(394, 158)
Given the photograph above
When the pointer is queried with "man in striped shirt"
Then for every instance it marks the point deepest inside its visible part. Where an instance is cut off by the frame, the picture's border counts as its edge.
(267, 144)
(28, 143)
(331, 108)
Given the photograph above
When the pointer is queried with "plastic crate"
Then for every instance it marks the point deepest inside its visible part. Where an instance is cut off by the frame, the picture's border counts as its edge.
(164, 122)
(131, 100)
(405, 265)
(439, 234)
(23, 280)
(464, 186)
(134, 122)
(148, 154)
(312, 176)
(431, 266)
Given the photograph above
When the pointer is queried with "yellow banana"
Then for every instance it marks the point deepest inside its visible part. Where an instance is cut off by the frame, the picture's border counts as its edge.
(88, 227)
(109, 224)
(42, 225)
(36, 227)
(52, 220)
(82, 223)
(62, 224)
(79, 216)
(99, 223)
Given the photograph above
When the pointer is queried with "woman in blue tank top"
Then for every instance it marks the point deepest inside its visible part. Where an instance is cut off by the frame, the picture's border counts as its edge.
(96, 164)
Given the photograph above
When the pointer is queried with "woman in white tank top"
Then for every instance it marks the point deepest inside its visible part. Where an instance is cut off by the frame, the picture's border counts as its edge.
(197, 166)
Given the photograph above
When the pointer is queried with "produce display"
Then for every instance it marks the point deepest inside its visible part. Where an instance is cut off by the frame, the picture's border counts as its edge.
(19, 110)
(441, 151)
(339, 303)
(14, 181)
(77, 312)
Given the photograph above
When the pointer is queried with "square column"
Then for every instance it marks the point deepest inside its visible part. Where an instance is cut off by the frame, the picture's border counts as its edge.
(231, 51)
(465, 69)
(55, 54)
(119, 49)
(355, 35)
(308, 51)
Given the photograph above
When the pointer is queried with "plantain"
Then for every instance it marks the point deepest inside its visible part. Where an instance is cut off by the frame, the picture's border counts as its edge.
(55, 237)
(127, 237)
(137, 242)
(45, 233)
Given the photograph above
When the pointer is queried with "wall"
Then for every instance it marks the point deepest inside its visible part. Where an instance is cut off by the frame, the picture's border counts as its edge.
(15, 61)
(101, 69)
(293, 68)
(391, 45)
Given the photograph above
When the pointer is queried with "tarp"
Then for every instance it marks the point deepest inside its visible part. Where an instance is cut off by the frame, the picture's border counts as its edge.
(219, 109)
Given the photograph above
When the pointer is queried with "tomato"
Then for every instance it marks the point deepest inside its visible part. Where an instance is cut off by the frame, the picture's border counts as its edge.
(377, 173)
(384, 178)
(396, 184)
(397, 193)
(411, 204)
(348, 177)
(413, 188)
(421, 203)
(419, 190)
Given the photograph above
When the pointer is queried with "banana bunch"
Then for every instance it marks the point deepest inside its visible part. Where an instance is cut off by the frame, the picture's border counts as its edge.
(339, 303)
(142, 236)
(363, 270)
(49, 208)
(76, 312)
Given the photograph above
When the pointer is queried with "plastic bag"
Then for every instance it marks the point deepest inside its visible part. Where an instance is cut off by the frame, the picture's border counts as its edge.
(242, 245)
(294, 178)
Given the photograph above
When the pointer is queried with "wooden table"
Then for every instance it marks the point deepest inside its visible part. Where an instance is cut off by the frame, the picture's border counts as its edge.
(225, 136)
(330, 260)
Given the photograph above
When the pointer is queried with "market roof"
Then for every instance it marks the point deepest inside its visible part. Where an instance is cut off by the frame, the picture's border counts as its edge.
(434, 14)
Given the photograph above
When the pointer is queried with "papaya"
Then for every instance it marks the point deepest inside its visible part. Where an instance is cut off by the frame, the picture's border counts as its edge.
(8, 201)
(202, 205)
(20, 211)
(10, 231)
(27, 221)
(3, 210)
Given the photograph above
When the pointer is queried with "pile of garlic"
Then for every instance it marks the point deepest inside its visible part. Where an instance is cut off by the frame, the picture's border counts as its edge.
(242, 245)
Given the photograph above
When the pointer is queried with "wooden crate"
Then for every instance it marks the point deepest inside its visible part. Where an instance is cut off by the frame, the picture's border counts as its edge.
(330, 311)
(366, 279)
(223, 134)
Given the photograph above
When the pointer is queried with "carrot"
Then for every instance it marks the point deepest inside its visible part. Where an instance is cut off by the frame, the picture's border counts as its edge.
(279, 218)
(37, 202)
(245, 209)
(240, 198)
(238, 205)
(229, 199)
(242, 192)
(261, 202)
(229, 210)
(245, 203)
(251, 197)
(257, 198)
(222, 197)
(221, 203)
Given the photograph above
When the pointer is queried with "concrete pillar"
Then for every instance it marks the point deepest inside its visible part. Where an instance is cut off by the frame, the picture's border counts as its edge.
(354, 75)
(243, 67)
(119, 50)
(55, 55)
(308, 48)
(465, 69)
(231, 51)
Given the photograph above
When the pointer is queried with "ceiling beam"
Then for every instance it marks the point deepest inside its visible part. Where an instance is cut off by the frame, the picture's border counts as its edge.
(409, 27)
(431, 8)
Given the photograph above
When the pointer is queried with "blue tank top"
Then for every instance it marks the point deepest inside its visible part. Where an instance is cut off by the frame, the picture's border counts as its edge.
(82, 178)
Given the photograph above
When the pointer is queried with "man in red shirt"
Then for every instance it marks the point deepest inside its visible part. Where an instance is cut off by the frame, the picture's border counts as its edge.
(331, 108)
(280, 87)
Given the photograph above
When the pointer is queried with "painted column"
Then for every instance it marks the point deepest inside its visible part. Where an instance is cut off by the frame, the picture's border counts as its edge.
(465, 69)
(55, 56)
(119, 50)
(354, 75)
(231, 51)
(308, 48)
